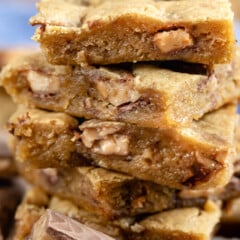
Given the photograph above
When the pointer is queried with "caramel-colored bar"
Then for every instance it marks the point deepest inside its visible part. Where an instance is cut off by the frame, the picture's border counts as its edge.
(104, 32)
(101, 191)
(198, 156)
(161, 95)
(174, 224)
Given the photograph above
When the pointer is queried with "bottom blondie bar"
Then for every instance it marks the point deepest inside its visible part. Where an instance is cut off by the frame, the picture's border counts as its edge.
(186, 223)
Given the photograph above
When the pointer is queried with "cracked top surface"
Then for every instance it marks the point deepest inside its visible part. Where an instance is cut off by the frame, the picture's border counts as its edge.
(87, 14)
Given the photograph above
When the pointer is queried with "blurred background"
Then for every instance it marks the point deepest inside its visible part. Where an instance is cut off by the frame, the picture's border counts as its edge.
(14, 28)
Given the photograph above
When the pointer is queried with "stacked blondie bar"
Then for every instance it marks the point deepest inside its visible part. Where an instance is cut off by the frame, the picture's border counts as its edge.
(128, 119)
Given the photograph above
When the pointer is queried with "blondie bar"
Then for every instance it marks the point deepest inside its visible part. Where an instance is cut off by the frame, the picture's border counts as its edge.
(150, 95)
(150, 227)
(105, 32)
(101, 191)
(197, 156)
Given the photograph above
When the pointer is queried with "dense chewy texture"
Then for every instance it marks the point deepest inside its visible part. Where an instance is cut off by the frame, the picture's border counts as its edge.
(101, 191)
(108, 31)
(174, 224)
(198, 156)
(151, 95)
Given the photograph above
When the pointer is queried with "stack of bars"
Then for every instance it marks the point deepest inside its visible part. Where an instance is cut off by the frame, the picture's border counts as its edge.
(10, 188)
(128, 120)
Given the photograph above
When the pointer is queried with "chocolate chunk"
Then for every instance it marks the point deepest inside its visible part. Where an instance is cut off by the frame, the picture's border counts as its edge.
(55, 226)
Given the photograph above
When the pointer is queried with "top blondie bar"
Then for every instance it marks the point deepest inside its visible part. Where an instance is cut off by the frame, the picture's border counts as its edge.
(108, 32)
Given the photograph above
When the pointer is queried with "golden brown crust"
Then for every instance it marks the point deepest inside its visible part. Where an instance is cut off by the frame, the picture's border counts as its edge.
(129, 31)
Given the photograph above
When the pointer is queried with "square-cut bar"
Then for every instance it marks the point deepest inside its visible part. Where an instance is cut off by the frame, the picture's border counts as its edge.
(115, 195)
(104, 32)
(101, 191)
(174, 224)
(198, 156)
(161, 95)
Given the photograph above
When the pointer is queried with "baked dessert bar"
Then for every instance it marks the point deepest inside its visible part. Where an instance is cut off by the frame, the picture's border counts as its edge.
(151, 227)
(186, 223)
(133, 93)
(108, 32)
(36, 202)
(198, 156)
(101, 191)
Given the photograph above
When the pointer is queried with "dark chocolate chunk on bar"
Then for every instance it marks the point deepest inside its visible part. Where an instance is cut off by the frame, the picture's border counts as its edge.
(56, 226)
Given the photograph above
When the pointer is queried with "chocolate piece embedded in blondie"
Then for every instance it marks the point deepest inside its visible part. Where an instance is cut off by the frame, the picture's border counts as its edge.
(198, 156)
(160, 95)
(56, 226)
(131, 30)
(101, 191)
(37, 201)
